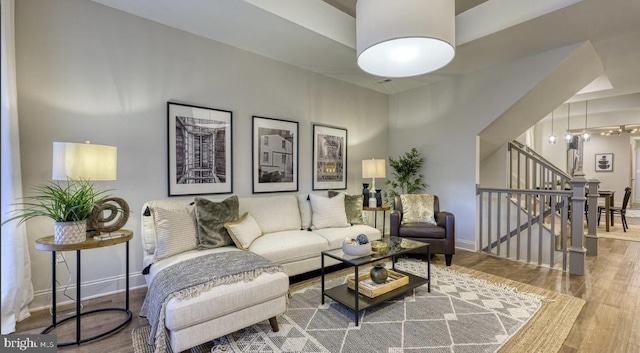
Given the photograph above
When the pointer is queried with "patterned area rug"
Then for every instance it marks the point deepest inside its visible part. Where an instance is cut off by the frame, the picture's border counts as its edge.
(461, 314)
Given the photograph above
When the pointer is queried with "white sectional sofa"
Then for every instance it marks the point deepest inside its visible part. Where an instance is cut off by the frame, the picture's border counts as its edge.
(289, 239)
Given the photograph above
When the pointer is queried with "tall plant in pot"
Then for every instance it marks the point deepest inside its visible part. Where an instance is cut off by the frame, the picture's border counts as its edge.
(69, 205)
(406, 177)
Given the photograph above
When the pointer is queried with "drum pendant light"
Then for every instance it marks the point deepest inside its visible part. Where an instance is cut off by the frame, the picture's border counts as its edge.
(403, 38)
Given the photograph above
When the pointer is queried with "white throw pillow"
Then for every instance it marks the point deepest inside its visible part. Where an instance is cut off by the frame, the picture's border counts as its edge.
(244, 231)
(328, 212)
(176, 232)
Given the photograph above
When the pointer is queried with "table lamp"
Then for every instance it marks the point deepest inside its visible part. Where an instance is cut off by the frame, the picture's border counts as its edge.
(373, 168)
(93, 163)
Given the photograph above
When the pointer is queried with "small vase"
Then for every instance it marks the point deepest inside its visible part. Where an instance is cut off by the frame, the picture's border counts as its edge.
(69, 232)
(379, 197)
(365, 191)
(379, 274)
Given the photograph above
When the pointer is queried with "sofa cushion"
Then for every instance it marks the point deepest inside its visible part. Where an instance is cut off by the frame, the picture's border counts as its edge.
(352, 206)
(273, 213)
(304, 204)
(244, 231)
(148, 223)
(422, 230)
(417, 208)
(175, 232)
(335, 236)
(288, 246)
(328, 212)
(211, 217)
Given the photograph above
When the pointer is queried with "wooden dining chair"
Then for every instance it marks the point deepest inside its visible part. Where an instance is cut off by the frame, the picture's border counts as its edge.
(619, 210)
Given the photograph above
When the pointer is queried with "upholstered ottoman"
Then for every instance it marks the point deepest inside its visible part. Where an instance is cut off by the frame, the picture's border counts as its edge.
(222, 309)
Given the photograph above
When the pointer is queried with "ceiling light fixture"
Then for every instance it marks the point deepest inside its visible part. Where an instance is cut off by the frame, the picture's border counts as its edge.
(552, 138)
(567, 136)
(404, 38)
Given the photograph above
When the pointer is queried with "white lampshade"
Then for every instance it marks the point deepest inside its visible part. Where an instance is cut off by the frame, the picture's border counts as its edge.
(84, 161)
(403, 38)
(373, 168)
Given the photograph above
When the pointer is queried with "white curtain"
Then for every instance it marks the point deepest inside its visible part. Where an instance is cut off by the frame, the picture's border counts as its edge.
(17, 290)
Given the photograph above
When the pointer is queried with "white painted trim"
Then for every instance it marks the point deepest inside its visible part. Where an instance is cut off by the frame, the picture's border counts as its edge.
(466, 245)
(90, 289)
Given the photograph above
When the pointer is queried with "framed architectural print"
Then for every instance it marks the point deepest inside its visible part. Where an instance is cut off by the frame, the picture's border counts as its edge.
(199, 150)
(604, 162)
(329, 158)
(275, 155)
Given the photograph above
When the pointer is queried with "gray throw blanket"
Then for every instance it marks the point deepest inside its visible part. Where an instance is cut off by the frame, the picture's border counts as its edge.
(189, 278)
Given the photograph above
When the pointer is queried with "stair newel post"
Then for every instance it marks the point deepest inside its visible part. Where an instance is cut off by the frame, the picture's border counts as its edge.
(592, 217)
(577, 252)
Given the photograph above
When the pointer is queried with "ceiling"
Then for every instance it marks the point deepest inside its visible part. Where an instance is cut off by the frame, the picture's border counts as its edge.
(319, 35)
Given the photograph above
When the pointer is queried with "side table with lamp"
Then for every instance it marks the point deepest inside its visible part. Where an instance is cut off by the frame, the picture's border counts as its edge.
(86, 162)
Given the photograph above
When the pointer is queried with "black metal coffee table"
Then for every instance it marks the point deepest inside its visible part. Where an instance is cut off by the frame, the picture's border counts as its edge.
(358, 302)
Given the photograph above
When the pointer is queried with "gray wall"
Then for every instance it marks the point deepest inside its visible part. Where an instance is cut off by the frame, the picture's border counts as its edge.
(89, 72)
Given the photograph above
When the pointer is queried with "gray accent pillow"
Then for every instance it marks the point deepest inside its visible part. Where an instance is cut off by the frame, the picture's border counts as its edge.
(211, 217)
(353, 207)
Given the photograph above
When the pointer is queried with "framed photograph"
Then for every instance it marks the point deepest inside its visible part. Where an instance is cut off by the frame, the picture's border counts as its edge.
(604, 162)
(329, 158)
(275, 155)
(199, 150)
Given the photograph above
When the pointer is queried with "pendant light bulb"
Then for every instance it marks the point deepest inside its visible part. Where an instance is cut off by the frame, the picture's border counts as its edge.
(567, 136)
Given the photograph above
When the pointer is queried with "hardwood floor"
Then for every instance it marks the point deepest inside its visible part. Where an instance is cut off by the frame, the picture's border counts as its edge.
(609, 322)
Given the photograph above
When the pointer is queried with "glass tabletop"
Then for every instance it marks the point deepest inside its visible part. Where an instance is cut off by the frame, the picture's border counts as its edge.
(395, 246)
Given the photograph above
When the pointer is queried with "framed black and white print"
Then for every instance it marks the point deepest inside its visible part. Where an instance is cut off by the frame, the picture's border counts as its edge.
(199, 150)
(604, 162)
(275, 155)
(329, 158)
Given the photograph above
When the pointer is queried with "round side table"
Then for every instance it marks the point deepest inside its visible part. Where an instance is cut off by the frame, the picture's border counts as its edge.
(47, 244)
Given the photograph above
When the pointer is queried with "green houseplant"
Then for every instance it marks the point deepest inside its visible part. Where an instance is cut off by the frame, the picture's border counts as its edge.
(69, 205)
(406, 177)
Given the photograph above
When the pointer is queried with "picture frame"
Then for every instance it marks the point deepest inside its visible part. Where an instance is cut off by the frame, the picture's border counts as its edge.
(329, 158)
(199, 150)
(275, 155)
(604, 162)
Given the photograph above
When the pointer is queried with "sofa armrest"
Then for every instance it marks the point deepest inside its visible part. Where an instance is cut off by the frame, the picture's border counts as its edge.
(394, 219)
(446, 220)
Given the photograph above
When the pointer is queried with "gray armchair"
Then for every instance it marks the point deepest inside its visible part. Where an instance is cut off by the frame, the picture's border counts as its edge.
(441, 236)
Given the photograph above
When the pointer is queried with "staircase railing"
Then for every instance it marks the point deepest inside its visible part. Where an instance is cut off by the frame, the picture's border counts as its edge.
(523, 225)
(532, 221)
(528, 170)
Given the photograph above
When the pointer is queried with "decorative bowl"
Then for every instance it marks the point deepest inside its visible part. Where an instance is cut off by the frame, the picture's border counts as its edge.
(379, 246)
(356, 249)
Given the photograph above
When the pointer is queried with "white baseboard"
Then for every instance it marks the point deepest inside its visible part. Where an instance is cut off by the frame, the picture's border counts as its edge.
(89, 290)
(466, 245)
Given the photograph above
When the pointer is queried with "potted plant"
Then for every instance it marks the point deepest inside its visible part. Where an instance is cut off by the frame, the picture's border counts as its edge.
(68, 205)
(406, 176)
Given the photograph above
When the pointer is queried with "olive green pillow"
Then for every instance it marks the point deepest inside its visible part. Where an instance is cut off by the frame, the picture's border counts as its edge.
(352, 206)
(211, 217)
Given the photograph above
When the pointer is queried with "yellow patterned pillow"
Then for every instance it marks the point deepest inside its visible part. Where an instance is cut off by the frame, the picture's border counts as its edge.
(417, 208)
